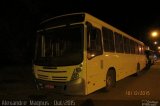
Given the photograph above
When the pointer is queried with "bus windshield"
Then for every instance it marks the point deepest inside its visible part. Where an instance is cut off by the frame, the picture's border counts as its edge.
(60, 46)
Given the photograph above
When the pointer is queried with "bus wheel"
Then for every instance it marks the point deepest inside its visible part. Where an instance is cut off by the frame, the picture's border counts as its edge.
(110, 79)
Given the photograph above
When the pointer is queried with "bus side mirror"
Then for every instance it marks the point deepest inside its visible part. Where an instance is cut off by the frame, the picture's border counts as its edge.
(90, 55)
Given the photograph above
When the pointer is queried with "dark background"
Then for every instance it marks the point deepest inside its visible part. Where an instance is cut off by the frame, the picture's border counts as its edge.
(19, 20)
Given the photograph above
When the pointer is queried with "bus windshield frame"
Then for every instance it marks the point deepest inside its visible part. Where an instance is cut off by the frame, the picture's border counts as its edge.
(60, 46)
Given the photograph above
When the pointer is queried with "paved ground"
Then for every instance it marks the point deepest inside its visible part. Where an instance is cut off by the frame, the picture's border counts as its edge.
(141, 90)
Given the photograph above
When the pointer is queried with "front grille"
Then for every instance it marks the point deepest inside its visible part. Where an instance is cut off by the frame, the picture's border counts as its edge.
(43, 77)
(55, 78)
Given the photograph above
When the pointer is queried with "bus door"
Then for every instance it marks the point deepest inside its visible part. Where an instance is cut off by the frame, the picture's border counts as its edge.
(94, 59)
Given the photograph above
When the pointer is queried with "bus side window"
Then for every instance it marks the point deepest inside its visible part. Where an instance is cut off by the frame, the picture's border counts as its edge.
(108, 40)
(94, 43)
(140, 49)
(119, 42)
(126, 45)
(136, 48)
(132, 45)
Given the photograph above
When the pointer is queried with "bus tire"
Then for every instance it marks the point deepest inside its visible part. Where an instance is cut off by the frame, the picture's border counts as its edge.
(110, 79)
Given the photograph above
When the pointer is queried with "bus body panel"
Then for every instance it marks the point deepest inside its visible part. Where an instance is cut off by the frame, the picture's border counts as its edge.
(95, 74)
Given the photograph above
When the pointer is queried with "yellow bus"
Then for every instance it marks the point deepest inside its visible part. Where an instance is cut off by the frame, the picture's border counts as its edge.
(78, 54)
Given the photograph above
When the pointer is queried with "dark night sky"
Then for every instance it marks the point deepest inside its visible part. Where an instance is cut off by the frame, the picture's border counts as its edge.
(20, 18)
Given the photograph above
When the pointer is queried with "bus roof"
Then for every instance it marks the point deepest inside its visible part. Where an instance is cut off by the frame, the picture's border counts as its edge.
(88, 17)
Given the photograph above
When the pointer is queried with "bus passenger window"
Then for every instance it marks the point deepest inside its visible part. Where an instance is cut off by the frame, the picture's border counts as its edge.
(108, 40)
(136, 48)
(126, 45)
(132, 45)
(119, 43)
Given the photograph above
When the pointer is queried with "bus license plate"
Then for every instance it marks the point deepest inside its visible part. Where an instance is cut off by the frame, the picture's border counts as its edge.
(49, 86)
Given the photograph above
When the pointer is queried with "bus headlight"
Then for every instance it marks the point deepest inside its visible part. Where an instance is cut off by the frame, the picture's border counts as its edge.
(78, 70)
(75, 74)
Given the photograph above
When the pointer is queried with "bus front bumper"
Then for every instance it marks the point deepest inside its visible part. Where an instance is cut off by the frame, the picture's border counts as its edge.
(75, 87)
